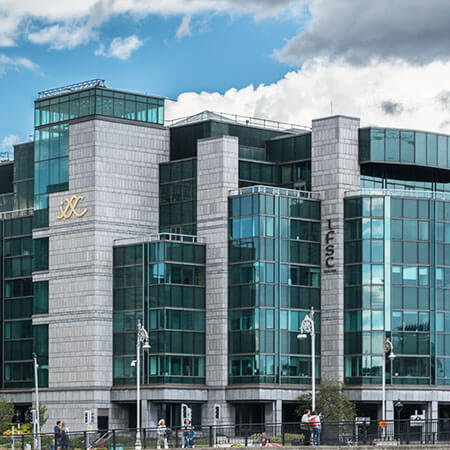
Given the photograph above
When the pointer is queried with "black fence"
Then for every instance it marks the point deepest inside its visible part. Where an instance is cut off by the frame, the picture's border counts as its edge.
(248, 435)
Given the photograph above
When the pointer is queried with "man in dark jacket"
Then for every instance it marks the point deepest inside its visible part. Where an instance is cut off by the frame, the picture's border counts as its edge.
(58, 436)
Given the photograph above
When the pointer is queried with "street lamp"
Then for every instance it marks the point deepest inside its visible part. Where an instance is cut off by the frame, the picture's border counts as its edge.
(307, 327)
(142, 339)
(37, 443)
(399, 405)
(388, 349)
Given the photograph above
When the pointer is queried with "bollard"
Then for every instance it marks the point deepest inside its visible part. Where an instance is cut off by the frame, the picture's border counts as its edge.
(145, 437)
(282, 434)
(176, 438)
(211, 443)
(114, 439)
(23, 441)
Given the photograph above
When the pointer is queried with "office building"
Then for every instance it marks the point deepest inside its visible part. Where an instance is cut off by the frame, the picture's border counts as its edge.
(220, 234)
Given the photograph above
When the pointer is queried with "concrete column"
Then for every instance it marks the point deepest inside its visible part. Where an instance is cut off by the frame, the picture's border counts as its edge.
(153, 418)
(390, 410)
(273, 416)
(145, 417)
(434, 411)
(217, 174)
(334, 170)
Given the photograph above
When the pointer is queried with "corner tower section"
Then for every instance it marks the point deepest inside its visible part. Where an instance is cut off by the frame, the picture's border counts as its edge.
(334, 170)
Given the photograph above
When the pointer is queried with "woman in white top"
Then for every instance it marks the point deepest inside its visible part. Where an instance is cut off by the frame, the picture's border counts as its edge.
(162, 434)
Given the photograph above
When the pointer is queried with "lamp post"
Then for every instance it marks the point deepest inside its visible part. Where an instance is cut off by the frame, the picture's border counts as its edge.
(399, 405)
(142, 339)
(37, 443)
(307, 327)
(388, 349)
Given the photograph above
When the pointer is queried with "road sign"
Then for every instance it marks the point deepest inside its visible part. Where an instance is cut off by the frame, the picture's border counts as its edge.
(417, 420)
(362, 420)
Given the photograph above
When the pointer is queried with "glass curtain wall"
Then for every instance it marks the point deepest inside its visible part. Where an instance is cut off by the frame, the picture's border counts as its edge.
(287, 163)
(23, 176)
(404, 146)
(177, 313)
(274, 278)
(18, 303)
(165, 279)
(389, 289)
(128, 305)
(412, 258)
(443, 292)
(178, 197)
(364, 289)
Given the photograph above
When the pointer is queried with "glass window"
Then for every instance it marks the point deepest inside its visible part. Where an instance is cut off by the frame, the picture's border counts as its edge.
(442, 151)
(431, 149)
(421, 148)
(407, 146)
(377, 144)
(392, 145)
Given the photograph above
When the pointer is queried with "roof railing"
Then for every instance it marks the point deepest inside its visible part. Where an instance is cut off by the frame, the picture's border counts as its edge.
(262, 189)
(97, 82)
(16, 213)
(434, 195)
(186, 238)
(242, 120)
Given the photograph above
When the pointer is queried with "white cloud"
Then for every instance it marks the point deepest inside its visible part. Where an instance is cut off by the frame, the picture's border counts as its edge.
(420, 94)
(8, 63)
(64, 24)
(72, 33)
(62, 36)
(185, 27)
(6, 146)
(120, 48)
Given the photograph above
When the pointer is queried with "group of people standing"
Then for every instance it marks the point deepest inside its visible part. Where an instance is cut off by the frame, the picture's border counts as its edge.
(61, 441)
(311, 426)
(164, 433)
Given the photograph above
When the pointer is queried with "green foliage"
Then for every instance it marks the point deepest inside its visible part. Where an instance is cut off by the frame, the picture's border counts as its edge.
(330, 401)
(6, 414)
(43, 415)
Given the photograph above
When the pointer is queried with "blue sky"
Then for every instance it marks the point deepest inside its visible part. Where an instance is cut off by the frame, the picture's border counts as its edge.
(286, 60)
(219, 52)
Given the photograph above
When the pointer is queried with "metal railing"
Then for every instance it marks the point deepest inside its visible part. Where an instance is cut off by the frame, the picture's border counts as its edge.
(262, 189)
(251, 435)
(97, 82)
(16, 213)
(186, 238)
(434, 195)
(242, 120)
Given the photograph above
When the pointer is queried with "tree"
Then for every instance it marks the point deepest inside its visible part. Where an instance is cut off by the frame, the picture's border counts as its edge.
(330, 401)
(6, 414)
(43, 416)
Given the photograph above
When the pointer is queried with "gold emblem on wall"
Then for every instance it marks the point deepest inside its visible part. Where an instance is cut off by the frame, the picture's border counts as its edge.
(68, 207)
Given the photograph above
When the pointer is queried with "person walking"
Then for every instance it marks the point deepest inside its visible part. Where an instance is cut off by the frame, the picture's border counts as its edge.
(64, 437)
(57, 431)
(305, 427)
(314, 421)
(162, 434)
(187, 438)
